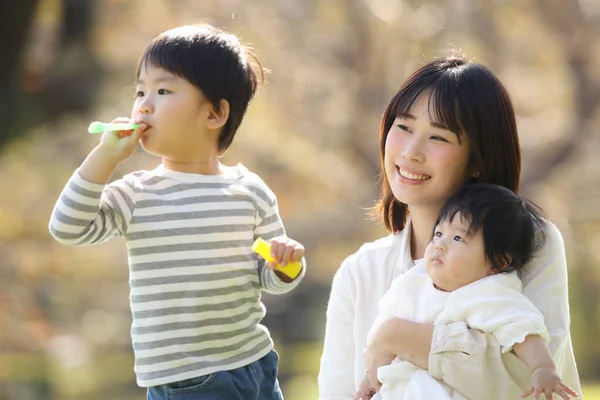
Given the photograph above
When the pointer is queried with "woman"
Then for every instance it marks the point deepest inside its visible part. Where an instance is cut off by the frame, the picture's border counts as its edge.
(451, 122)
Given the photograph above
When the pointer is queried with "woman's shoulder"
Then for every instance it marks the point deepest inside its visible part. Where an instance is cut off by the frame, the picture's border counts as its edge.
(552, 244)
(553, 234)
(375, 255)
(371, 269)
(549, 260)
(381, 244)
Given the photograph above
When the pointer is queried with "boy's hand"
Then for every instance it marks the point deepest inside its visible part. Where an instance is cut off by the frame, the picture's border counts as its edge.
(119, 145)
(285, 250)
(114, 147)
(545, 380)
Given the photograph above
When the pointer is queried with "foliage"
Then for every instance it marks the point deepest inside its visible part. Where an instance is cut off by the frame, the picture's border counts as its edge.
(311, 133)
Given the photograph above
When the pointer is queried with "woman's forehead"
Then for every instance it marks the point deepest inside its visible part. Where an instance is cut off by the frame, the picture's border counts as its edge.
(431, 105)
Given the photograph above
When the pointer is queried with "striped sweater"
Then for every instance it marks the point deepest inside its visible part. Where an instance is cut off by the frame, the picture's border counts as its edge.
(195, 282)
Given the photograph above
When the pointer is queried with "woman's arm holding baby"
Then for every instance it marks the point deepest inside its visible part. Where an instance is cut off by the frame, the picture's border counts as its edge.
(405, 339)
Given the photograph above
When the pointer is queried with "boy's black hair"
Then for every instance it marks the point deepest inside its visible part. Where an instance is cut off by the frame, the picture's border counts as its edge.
(215, 62)
(513, 228)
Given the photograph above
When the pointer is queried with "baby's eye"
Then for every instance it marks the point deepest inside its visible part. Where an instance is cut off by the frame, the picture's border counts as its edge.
(163, 91)
(139, 93)
(458, 238)
(437, 234)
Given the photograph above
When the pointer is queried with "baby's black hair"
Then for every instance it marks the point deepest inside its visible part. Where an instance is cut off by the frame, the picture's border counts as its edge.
(513, 228)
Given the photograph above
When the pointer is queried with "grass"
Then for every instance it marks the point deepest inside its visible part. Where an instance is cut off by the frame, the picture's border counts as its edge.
(591, 391)
(305, 389)
(299, 362)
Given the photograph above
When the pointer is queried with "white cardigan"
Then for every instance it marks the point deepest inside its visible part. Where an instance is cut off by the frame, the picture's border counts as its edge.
(458, 356)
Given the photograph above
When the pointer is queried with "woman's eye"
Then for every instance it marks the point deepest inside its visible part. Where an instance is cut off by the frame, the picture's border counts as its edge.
(439, 138)
(458, 238)
(403, 127)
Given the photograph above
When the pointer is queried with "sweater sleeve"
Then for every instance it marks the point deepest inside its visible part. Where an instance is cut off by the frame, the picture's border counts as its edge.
(268, 226)
(89, 213)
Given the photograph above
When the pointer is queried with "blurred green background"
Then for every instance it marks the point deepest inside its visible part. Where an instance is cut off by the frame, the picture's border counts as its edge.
(311, 133)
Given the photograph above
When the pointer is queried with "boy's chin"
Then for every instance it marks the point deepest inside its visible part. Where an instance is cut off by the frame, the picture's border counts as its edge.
(150, 146)
(151, 150)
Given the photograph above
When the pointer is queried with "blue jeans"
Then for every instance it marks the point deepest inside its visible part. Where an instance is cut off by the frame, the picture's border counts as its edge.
(256, 381)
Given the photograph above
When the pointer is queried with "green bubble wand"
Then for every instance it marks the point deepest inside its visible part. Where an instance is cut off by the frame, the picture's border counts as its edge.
(100, 127)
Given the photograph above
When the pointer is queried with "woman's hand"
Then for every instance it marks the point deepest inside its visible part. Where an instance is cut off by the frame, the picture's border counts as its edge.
(397, 337)
(365, 392)
(378, 352)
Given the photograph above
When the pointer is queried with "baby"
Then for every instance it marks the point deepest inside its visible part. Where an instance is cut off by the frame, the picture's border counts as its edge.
(482, 237)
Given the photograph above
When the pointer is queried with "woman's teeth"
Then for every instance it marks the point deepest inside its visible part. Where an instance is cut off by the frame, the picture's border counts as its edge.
(410, 175)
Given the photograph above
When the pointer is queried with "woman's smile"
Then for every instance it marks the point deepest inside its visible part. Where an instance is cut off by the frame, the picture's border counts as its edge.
(411, 175)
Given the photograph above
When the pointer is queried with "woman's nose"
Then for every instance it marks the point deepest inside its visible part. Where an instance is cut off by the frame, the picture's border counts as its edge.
(413, 149)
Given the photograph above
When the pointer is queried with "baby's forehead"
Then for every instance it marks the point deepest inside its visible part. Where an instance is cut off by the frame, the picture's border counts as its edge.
(458, 221)
(457, 218)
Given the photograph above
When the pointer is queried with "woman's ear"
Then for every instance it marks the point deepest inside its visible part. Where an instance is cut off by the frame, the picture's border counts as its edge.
(217, 118)
(473, 170)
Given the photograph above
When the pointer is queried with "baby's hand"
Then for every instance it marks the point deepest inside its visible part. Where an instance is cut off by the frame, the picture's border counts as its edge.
(285, 250)
(365, 392)
(545, 380)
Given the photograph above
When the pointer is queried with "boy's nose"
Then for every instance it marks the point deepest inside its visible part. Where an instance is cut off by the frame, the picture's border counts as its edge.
(145, 106)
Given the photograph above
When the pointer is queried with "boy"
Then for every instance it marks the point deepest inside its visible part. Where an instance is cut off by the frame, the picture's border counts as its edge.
(190, 223)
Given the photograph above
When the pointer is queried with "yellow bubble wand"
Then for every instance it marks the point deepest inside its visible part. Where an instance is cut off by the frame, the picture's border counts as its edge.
(263, 249)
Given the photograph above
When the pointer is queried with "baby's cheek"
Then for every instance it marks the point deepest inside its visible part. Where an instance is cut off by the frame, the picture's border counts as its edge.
(457, 272)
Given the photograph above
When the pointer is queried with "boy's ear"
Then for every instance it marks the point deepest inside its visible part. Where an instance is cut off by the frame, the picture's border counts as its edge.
(218, 118)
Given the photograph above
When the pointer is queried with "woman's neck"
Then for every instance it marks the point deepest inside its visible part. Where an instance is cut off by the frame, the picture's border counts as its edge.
(421, 228)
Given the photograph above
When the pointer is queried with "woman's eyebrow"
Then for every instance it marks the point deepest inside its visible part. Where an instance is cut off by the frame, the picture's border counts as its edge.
(433, 124)
(406, 115)
(439, 125)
